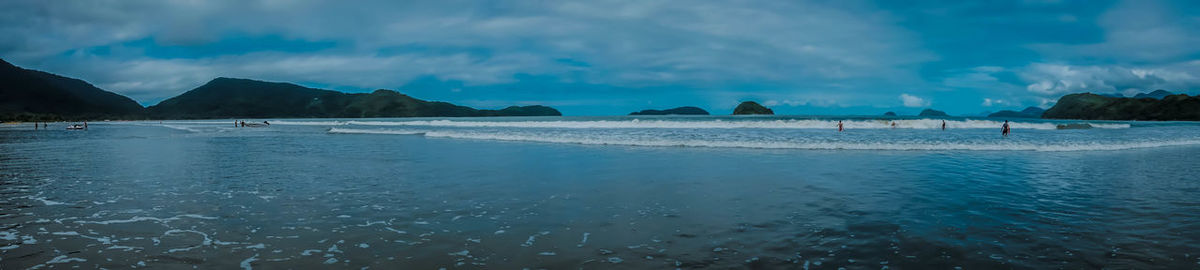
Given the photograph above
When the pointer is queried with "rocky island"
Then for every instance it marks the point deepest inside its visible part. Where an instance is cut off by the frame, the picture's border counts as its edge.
(751, 107)
(932, 113)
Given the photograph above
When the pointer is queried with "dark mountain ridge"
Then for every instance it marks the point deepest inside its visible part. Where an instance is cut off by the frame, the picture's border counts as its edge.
(1088, 106)
(30, 95)
(231, 98)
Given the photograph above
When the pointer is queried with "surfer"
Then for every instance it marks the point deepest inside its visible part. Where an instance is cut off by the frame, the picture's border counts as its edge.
(840, 129)
(265, 122)
(893, 124)
(943, 124)
(1004, 129)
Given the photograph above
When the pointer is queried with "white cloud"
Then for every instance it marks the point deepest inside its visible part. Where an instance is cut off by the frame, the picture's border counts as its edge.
(988, 102)
(628, 44)
(913, 101)
(1058, 79)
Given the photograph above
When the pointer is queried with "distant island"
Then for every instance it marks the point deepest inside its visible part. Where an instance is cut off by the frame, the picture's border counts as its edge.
(932, 113)
(751, 107)
(889, 114)
(686, 110)
(1030, 112)
(1088, 106)
(30, 95)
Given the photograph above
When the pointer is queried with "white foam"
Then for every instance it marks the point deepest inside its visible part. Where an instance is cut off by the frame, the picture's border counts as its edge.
(373, 131)
(309, 123)
(183, 128)
(207, 241)
(246, 263)
(727, 124)
(763, 144)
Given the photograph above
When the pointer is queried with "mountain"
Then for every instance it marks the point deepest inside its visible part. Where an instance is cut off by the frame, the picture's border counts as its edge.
(932, 113)
(1030, 112)
(1089, 106)
(889, 114)
(229, 98)
(1157, 94)
(688, 110)
(533, 110)
(30, 95)
(751, 107)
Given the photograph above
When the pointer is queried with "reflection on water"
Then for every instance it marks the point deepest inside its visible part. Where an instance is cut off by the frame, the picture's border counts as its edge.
(121, 196)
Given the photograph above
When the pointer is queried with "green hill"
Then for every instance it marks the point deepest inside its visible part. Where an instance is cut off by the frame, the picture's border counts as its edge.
(932, 113)
(1090, 106)
(30, 95)
(1030, 112)
(751, 107)
(230, 98)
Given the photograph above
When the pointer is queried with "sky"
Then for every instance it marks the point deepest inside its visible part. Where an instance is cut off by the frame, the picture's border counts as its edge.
(603, 57)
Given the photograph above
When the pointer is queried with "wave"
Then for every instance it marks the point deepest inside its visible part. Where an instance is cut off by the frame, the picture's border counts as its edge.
(183, 128)
(768, 144)
(374, 131)
(309, 123)
(722, 124)
(707, 124)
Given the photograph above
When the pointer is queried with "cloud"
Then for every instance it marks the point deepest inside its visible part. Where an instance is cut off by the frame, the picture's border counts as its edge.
(1135, 31)
(625, 44)
(913, 101)
(1057, 79)
(988, 102)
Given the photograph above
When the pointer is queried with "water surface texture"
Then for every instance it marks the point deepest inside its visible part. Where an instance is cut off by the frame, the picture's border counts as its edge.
(601, 192)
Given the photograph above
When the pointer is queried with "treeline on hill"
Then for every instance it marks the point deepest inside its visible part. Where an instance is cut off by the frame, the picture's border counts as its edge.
(1089, 106)
(30, 95)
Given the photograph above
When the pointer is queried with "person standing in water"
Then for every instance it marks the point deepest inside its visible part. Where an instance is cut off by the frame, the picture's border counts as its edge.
(840, 129)
(1004, 129)
(943, 124)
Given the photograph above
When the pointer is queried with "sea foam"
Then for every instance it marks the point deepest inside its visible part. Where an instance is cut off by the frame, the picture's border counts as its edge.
(775, 143)
(719, 124)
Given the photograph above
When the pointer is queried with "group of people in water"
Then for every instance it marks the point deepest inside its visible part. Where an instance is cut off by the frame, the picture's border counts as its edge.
(45, 125)
(1004, 129)
(244, 124)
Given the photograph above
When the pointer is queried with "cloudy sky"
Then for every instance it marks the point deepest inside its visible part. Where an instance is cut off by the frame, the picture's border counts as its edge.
(611, 57)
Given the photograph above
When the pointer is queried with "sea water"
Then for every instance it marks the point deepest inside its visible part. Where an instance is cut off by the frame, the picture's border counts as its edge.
(601, 192)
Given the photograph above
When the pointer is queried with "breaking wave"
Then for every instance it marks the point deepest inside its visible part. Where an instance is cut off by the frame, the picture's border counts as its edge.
(707, 124)
(764, 143)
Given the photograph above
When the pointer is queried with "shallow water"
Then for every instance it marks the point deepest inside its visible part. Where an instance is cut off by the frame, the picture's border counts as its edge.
(547, 193)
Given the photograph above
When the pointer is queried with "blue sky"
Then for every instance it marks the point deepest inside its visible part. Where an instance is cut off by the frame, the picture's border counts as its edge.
(614, 57)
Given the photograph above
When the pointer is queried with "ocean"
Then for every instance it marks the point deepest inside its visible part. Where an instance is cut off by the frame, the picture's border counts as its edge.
(618, 192)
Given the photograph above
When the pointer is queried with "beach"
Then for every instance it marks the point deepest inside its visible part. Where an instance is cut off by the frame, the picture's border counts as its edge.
(601, 192)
